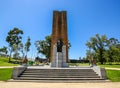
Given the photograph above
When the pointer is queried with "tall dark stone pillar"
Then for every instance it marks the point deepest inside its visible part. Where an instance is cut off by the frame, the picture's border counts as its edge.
(59, 31)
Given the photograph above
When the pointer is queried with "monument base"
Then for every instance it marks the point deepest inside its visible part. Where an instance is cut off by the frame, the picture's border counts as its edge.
(59, 58)
(59, 61)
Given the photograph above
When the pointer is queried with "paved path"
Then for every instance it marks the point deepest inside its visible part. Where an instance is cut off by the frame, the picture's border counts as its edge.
(47, 67)
(58, 85)
(7, 66)
(113, 68)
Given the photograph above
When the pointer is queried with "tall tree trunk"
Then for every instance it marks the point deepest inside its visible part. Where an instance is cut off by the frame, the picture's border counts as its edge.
(101, 57)
(10, 56)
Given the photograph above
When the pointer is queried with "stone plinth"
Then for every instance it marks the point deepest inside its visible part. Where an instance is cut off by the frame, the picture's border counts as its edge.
(59, 58)
(17, 71)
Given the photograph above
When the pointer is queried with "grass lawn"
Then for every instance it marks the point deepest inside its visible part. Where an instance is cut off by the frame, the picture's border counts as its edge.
(104, 65)
(5, 74)
(113, 75)
(4, 62)
(79, 64)
(110, 66)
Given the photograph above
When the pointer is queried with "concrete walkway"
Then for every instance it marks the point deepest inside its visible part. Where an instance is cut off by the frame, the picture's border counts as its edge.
(113, 68)
(48, 67)
(7, 66)
(58, 85)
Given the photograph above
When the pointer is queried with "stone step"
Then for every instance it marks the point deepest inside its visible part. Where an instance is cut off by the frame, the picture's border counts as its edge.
(59, 74)
(76, 74)
(33, 78)
(52, 76)
(59, 71)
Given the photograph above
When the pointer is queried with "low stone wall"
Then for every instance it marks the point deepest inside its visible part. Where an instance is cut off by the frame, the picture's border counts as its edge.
(100, 71)
(17, 71)
(103, 73)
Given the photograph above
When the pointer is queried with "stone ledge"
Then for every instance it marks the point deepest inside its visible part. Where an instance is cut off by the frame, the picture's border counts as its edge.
(100, 71)
(17, 71)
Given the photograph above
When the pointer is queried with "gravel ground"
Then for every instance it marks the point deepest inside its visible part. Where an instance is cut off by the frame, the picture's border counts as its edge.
(58, 85)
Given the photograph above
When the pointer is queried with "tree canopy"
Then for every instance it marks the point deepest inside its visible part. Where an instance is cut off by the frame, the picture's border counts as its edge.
(27, 45)
(103, 49)
(14, 39)
(43, 46)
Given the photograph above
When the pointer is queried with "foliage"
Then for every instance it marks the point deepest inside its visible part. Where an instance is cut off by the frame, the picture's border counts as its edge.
(25, 48)
(22, 49)
(5, 74)
(43, 46)
(98, 44)
(103, 49)
(14, 39)
(3, 50)
(27, 45)
(113, 75)
(112, 54)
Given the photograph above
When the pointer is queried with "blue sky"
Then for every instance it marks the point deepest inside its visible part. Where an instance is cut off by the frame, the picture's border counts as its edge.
(85, 19)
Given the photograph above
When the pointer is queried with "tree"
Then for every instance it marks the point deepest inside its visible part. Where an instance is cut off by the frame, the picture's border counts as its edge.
(16, 55)
(16, 49)
(98, 45)
(3, 50)
(14, 39)
(43, 46)
(22, 49)
(27, 45)
(113, 51)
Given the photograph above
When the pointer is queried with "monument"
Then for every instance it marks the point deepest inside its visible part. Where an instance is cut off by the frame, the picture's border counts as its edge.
(59, 45)
(59, 59)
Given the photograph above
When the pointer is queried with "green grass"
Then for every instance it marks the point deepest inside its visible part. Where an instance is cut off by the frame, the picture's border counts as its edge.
(104, 65)
(5, 74)
(113, 75)
(78, 64)
(110, 66)
(4, 62)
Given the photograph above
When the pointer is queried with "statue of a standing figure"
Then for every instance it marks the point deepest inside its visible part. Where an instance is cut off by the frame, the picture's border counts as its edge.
(59, 45)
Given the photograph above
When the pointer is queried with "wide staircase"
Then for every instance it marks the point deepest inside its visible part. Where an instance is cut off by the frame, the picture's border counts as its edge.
(59, 74)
